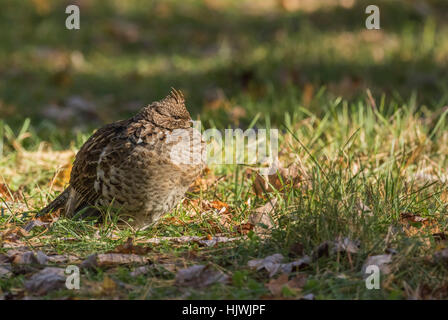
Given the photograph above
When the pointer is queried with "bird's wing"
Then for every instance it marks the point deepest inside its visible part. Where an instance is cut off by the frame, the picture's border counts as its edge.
(84, 172)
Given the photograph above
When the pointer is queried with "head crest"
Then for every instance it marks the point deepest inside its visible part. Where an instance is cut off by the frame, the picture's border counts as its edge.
(177, 95)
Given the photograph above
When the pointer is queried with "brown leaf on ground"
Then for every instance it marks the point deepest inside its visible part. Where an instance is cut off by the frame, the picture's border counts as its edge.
(60, 259)
(14, 234)
(141, 270)
(363, 209)
(266, 184)
(163, 268)
(245, 228)
(428, 292)
(46, 280)
(200, 276)
(112, 259)
(261, 219)
(30, 257)
(109, 286)
(381, 261)
(219, 215)
(345, 245)
(5, 271)
(276, 286)
(203, 182)
(295, 265)
(4, 259)
(5, 192)
(411, 217)
(415, 225)
(272, 264)
(340, 245)
(34, 223)
(219, 206)
(8, 195)
(130, 248)
(209, 242)
(297, 282)
(293, 175)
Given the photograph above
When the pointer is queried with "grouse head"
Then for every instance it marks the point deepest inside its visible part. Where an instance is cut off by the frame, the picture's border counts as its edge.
(169, 113)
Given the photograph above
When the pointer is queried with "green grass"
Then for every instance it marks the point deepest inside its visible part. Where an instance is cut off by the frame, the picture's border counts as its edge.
(305, 73)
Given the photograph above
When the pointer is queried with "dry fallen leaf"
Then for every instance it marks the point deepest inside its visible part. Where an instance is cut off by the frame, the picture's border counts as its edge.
(112, 259)
(295, 265)
(5, 192)
(14, 234)
(411, 217)
(60, 259)
(275, 286)
(415, 225)
(130, 247)
(203, 182)
(109, 286)
(308, 296)
(200, 276)
(345, 245)
(261, 219)
(141, 270)
(5, 271)
(4, 258)
(30, 257)
(185, 239)
(293, 175)
(340, 245)
(163, 268)
(35, 223)
(363, 209)
(381, 261)
(46, 280)
(272, 264)
(219, 206)
(429, 292)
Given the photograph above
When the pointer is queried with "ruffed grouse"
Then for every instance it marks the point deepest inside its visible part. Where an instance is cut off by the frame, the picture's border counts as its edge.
(141, 166)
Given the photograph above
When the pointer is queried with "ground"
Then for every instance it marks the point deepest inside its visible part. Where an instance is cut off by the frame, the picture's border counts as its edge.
(363, 147)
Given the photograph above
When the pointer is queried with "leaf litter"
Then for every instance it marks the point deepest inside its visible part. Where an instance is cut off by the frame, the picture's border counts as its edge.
(272, 264)
(200, 276)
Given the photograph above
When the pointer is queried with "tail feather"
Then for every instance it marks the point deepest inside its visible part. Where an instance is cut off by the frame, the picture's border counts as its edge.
(56, 204)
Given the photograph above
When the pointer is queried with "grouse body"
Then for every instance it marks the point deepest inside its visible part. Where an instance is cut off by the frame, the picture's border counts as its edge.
(141, 166)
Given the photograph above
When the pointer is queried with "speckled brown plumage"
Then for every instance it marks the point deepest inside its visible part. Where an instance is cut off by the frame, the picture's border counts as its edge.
(133, 165)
